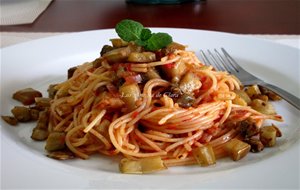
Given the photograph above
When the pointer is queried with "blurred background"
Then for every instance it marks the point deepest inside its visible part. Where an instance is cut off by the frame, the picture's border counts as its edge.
(236, 16)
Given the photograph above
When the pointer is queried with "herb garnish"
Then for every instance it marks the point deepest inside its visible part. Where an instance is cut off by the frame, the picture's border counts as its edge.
(130, 30)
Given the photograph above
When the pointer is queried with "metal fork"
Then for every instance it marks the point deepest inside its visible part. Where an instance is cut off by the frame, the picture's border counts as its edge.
(226, 62)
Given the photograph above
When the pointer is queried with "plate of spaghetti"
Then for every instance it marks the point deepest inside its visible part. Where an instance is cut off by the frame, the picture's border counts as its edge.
(136, 107)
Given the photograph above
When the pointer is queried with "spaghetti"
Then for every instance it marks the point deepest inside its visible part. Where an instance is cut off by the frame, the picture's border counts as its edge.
(90, 108)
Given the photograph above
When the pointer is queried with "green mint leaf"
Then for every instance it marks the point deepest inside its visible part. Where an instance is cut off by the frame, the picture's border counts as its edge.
(129, 30)
(145, 34)
(140, 42)
(158, 41)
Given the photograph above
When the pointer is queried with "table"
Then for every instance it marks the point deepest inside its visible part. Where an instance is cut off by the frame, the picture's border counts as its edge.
(235, 16)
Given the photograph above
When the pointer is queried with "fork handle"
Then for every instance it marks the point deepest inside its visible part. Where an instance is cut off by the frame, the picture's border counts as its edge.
(295, 101)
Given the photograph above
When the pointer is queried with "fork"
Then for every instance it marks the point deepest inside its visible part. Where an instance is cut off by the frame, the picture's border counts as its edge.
(226, 63)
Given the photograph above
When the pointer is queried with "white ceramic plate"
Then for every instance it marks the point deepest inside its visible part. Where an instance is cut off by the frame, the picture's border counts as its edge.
(39, 63)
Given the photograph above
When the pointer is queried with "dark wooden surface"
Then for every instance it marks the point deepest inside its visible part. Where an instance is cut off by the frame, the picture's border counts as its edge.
(236, 16)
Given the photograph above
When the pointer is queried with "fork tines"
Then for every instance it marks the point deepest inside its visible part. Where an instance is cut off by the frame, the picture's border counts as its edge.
(224, 61)
(217, 60)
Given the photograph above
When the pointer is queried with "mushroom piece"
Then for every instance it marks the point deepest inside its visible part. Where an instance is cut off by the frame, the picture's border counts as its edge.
(105, 49)
(61, 155)
(52, 90)
(268, 135)
(42, 103)
(241, 98)
(143, 165)
(185, 100)
(256, 145)
(205, 155)
(141, 57)
(117, 55)
(40, 132)
(21, 113)
(272, 95)
(34, 114)
(189, 83)
(130, 93)
(252, 90)
(172, 47)
(247, 128)
(55, 141)
(71, 72)
(27, 96)
(237, 149)
(10, 120)
(118, 42)
(174, 71)
(263, 107)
